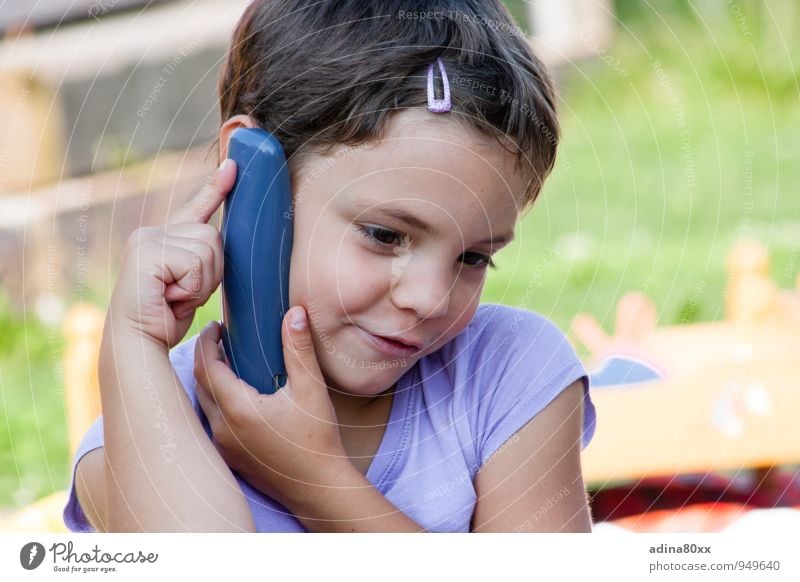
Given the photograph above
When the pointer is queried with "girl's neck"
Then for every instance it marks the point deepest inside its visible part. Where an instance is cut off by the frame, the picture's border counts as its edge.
(350, 408)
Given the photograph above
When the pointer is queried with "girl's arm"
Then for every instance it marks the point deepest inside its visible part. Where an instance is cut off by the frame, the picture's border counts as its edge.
(534, 483)
(162, 472)
(91, 481)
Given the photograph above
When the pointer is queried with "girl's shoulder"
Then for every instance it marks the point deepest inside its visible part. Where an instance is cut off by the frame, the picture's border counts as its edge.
(513, 318)
(501, 332)
(504, 368)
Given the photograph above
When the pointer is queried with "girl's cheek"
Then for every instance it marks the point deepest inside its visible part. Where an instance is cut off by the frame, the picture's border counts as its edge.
(361, 273)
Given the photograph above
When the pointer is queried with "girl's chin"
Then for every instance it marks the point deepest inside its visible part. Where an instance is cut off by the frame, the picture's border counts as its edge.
(365, 381)
(362, 376)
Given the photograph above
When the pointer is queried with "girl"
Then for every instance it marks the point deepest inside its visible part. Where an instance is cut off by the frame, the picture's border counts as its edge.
(416, 134)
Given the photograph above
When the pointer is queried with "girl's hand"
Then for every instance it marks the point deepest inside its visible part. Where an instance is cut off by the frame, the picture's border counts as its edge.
(168, 271)
(286, 444)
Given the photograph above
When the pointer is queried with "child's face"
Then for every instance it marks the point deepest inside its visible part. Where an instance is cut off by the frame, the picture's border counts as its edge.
(424, 286)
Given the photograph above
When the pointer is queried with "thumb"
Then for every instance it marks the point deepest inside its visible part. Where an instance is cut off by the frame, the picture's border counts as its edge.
(298, 351)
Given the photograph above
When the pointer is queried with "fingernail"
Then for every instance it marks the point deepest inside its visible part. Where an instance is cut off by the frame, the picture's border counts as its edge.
(225, 163)
(299, 319)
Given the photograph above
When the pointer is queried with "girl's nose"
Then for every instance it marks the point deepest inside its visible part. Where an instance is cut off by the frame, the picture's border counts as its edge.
(421, 285)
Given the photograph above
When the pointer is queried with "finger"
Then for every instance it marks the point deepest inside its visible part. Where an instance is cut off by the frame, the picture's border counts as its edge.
(207, 402)
(202, 207)
(174, 266)
(229, 392)
(191, 291)
(205, 397)
(207, 233)
(205, 278)
(301, 361)
(171, 269)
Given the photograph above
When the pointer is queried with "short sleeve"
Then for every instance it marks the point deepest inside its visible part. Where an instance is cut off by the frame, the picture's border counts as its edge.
(74, 517)
(533, 362)
(182, 359)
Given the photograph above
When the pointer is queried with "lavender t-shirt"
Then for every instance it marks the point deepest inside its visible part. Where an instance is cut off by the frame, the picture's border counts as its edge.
(451, 410)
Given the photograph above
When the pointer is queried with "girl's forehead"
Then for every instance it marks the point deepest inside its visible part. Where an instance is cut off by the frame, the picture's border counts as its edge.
(421, 151)
(448, 175)
(454, 184)
(416, 128)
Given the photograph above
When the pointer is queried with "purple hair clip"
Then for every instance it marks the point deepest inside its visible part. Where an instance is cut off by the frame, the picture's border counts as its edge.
(438, 105)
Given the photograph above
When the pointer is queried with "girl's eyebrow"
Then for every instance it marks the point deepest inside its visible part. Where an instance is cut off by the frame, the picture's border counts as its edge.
(417, 223)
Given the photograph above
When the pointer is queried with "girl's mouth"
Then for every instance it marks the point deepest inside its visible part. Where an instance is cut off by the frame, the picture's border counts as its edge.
(388, 346)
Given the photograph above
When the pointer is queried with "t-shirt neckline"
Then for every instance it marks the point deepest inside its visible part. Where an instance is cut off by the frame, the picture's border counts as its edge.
(392, 443)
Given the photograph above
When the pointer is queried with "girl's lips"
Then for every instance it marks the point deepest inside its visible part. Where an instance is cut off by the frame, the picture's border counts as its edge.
(387, 346)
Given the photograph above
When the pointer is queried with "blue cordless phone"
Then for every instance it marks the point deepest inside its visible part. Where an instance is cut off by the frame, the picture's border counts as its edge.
(257, 243)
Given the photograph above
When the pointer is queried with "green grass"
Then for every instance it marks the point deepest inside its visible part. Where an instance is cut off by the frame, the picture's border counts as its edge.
(617, 215)
(622, 184)
(33, 434)
(34, 445)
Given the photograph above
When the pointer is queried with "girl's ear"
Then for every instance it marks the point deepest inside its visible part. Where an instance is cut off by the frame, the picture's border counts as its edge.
(228, 128)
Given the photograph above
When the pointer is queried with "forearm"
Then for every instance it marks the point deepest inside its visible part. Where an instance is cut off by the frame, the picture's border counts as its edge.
(163, 473)
(352, 504)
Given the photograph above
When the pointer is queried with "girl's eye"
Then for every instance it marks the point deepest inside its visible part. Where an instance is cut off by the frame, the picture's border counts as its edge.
(380, 235)
(487, 261)
(385, 237)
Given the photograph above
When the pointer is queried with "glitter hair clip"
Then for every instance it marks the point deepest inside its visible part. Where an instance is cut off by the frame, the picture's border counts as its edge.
(438, 105)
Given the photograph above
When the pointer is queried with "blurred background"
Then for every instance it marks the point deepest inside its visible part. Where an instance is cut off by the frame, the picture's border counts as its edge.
(669, 231)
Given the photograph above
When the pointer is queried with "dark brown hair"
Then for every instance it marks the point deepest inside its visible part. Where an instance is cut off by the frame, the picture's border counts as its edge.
(318, 74)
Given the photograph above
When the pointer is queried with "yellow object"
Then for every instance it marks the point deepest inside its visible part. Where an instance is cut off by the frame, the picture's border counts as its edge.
(31, 129)
(729, 397)
(43, 516)
(83, 329)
